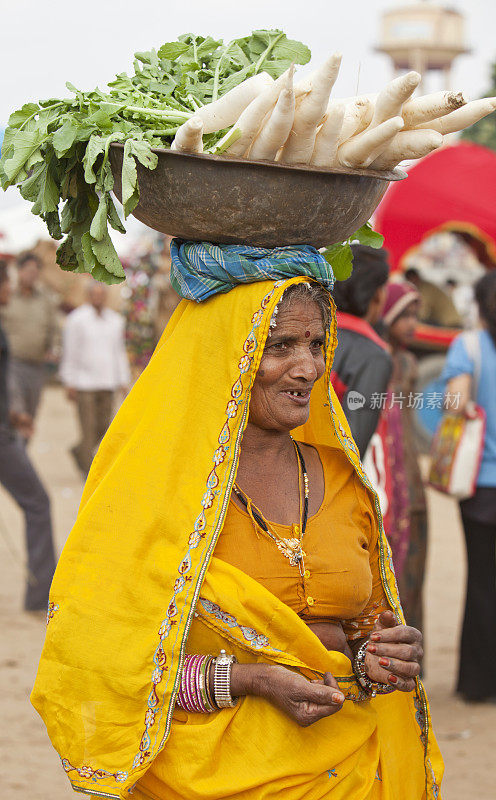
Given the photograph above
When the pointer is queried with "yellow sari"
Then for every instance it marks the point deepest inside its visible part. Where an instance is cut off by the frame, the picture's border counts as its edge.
(138, 585)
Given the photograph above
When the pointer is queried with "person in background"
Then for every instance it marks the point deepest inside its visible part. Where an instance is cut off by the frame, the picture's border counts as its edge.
(94, 366)
(163, 298)
(478, 640)
(362, 364)
(406, 518)
(436, 306)
(30, 322)
(19, 478)
(463, 298)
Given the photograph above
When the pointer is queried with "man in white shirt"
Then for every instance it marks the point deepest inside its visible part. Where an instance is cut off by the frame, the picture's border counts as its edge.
(94, 366)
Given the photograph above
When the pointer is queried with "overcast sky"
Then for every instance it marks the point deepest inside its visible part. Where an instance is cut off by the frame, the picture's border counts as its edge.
(45, 44)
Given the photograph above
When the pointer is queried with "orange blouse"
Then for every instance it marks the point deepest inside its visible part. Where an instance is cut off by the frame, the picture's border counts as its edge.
(341, 579)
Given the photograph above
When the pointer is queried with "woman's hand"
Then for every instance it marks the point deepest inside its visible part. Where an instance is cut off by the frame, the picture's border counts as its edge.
(394, 653)
(332, 636)
(304, 701)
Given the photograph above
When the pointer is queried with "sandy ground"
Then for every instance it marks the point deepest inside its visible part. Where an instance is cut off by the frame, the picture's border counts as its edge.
(30, 768)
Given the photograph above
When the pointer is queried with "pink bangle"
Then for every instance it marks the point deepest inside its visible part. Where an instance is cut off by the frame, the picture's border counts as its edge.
(193, 692)
(198, 682)
(189, 684)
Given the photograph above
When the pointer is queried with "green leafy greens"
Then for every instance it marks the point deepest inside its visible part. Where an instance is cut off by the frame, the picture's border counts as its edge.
(340, 255)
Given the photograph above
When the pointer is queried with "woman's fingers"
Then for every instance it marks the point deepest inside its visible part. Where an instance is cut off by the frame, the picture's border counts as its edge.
(400, 633)
(387, 619)
(404, 652)
(392, 671)
(330, 680)
(403, 669)
(401, 684)
(318, 700)
(322, 694)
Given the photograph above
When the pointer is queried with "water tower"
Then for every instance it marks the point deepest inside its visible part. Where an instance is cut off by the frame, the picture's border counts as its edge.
(423, 36)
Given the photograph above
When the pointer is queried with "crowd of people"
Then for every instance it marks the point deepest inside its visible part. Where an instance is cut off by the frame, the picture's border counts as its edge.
(90, 351)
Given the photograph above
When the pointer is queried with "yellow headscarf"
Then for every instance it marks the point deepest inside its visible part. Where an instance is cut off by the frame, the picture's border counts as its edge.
(127, 586)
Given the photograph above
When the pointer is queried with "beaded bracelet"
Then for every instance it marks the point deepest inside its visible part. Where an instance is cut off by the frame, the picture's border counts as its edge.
(194, 694)
(371, 687)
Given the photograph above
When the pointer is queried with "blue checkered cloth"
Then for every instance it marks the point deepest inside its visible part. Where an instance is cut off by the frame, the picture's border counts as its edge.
(201, 269)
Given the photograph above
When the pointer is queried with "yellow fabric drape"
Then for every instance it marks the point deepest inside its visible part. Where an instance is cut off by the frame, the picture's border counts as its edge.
(139, 557)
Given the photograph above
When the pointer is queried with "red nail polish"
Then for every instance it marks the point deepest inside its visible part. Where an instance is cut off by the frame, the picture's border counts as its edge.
(393, 679)
(371, 648)
(376, 637)
(384, 662)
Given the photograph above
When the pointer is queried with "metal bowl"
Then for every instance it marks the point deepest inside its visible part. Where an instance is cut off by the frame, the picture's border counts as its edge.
(235, 201)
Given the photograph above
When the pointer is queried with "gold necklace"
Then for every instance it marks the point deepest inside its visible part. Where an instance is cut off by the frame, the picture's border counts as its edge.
(290, 547)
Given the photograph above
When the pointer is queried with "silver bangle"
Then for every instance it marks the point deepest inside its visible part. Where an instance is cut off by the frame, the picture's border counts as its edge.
(222, 680)
(363, 679)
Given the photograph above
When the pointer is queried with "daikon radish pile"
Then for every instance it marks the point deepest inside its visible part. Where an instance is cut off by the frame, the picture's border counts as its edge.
(376, 131)
(304, 124)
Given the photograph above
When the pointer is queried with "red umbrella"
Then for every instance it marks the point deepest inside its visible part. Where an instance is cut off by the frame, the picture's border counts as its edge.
(452, 189)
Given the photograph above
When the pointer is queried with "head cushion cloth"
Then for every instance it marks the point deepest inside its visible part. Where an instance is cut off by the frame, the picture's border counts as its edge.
(201, 269)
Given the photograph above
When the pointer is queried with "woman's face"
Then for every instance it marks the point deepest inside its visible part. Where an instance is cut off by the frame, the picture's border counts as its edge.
(402, 331)
(293, 360)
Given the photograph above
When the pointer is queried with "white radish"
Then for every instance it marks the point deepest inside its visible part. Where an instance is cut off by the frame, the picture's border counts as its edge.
(276, 130)
(462, 117)
(357, 115)
(251, 120)
(188, 138)
(327, 140)
(224, 112)
(407, 145)
(390, 100)
(306, 84)
(309, 113)
(367, 146)
(431, 106)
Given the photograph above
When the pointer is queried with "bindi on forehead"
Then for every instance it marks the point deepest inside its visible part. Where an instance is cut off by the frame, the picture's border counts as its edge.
(307, 334)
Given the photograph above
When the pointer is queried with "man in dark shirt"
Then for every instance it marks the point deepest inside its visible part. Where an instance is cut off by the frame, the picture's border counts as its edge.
(362, 364)
(19, 478)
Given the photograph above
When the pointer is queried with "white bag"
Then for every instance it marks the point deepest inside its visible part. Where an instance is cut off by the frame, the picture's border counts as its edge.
(458, 445)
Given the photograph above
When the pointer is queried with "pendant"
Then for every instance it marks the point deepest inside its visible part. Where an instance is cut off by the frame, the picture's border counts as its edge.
(291, 548)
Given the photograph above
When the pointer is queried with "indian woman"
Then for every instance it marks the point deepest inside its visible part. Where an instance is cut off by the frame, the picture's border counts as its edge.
(224, 620)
